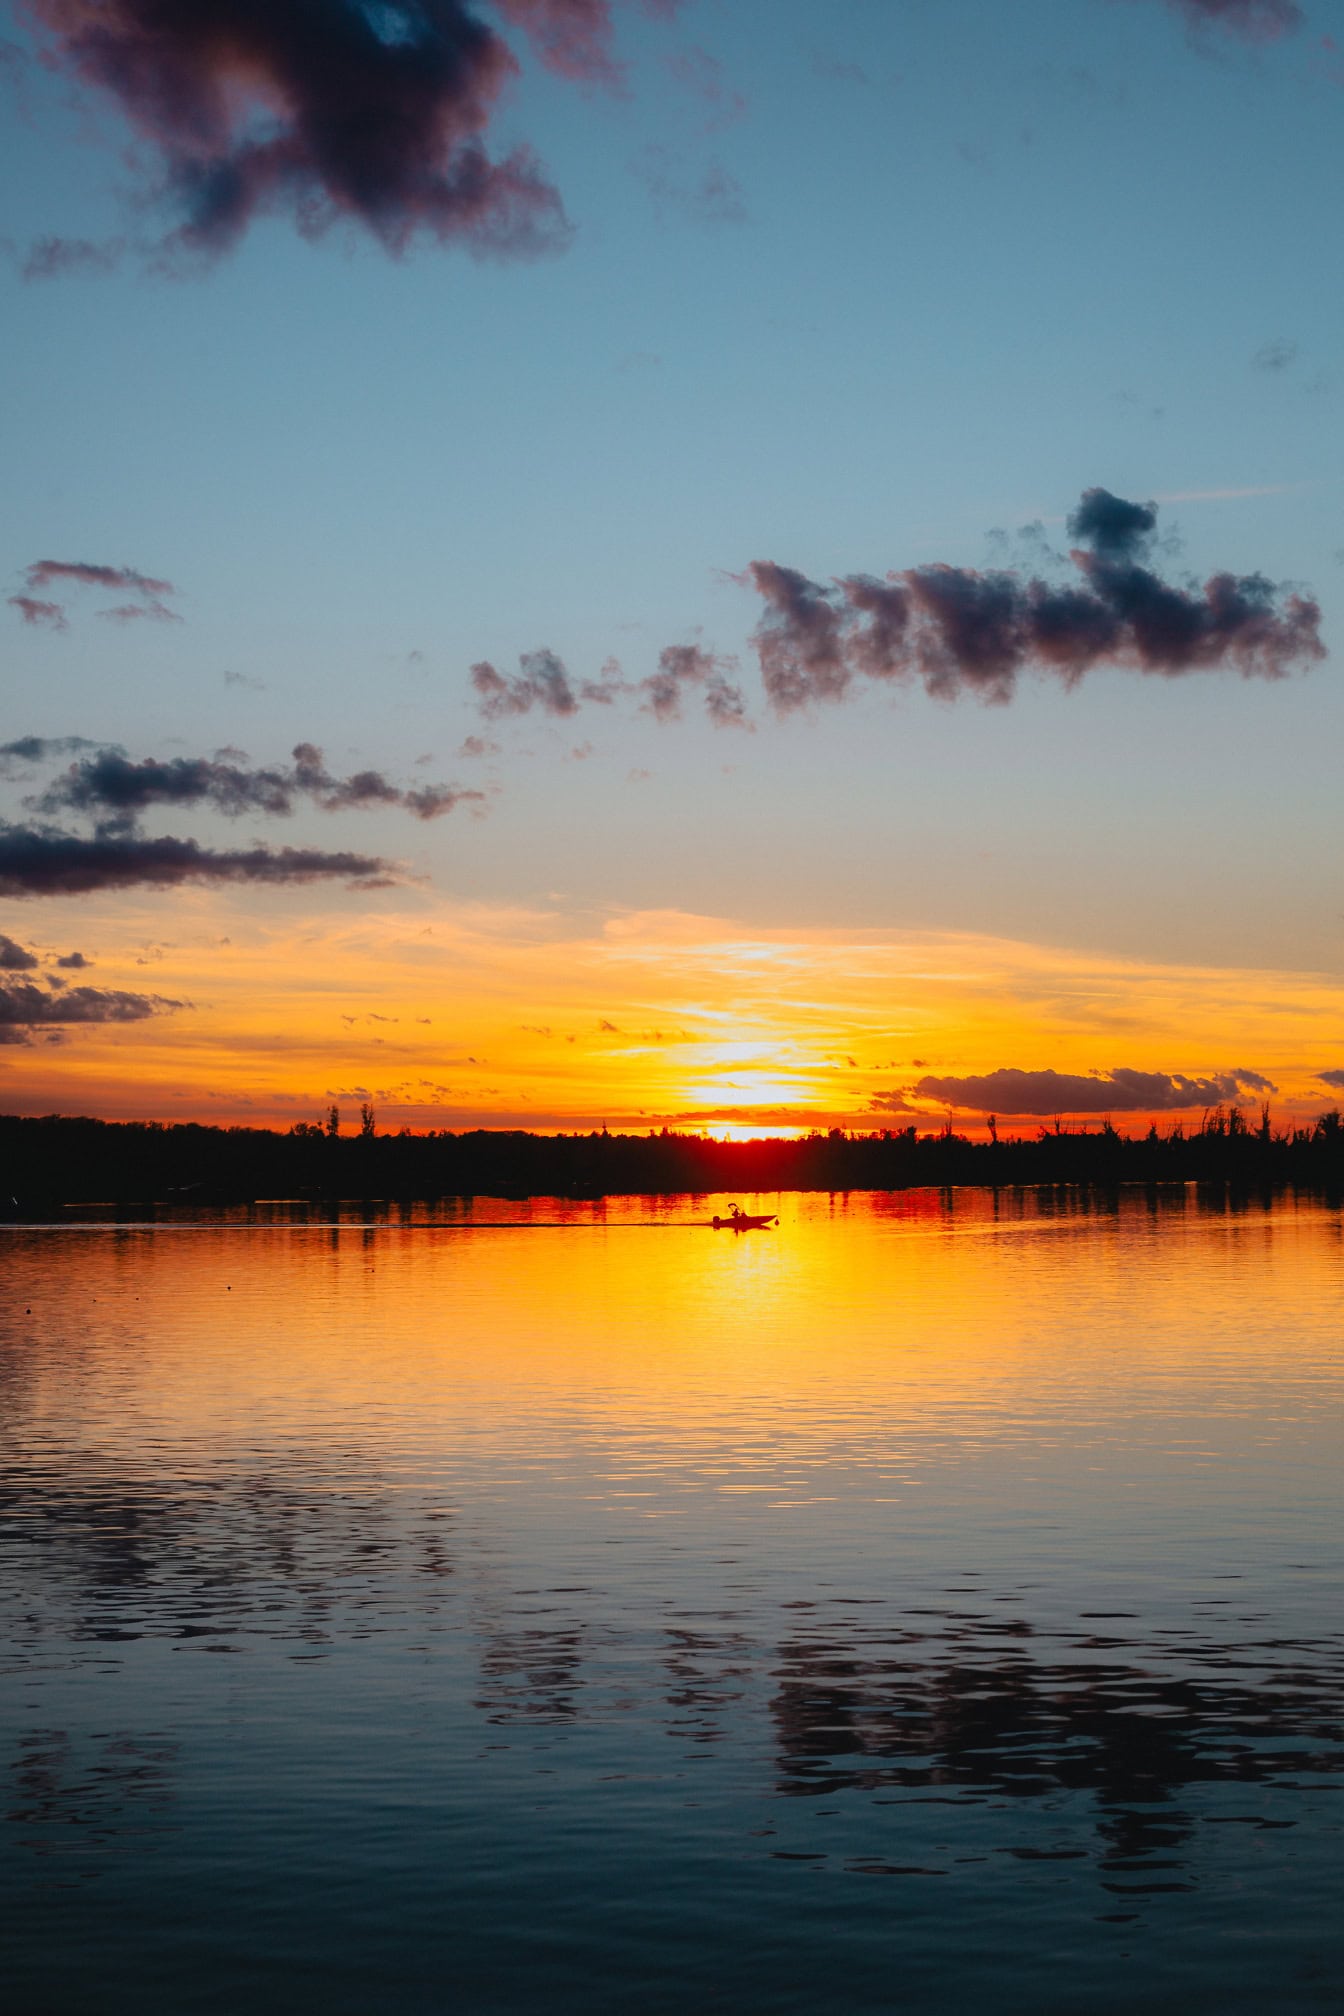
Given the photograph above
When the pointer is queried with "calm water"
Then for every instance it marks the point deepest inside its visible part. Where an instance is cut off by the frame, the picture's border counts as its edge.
(931, 1603)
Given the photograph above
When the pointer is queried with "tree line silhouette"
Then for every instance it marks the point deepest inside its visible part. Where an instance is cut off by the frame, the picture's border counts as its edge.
(55, 1161)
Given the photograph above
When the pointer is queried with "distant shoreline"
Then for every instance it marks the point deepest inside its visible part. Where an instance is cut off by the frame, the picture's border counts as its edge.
(52, 1164)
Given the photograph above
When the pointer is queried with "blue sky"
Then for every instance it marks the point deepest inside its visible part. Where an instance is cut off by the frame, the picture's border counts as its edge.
(851, 289)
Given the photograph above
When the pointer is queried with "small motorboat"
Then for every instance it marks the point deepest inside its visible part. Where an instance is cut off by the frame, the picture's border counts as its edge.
(742, 1221)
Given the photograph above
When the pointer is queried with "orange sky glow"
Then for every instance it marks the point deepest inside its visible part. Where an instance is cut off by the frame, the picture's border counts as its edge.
(462, 1016)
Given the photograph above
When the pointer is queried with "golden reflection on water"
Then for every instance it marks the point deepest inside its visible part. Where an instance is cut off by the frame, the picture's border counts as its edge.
(847, 1337)
(435, 1578)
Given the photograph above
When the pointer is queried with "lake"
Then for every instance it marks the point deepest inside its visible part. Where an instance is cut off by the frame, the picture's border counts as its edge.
(931, 1602)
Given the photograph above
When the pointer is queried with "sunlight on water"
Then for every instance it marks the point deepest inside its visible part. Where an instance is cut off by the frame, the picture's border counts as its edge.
(932, 1600)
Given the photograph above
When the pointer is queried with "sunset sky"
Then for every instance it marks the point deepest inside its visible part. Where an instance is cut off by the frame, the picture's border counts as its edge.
(719, 563)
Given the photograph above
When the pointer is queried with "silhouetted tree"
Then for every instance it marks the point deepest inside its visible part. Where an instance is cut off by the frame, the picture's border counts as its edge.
(333, 1122)
(366, 1121)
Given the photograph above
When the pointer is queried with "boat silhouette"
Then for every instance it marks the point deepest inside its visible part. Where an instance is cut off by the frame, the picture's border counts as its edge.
(738, 1220)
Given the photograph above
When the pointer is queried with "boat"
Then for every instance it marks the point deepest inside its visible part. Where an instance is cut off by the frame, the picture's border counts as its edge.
(738, 1220)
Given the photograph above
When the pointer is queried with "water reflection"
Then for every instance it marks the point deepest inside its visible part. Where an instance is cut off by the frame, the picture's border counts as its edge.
(991, 1539)
(954, 1716)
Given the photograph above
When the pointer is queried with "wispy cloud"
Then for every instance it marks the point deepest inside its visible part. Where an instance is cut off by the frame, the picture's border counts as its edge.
(1250, 20)
(149, 604)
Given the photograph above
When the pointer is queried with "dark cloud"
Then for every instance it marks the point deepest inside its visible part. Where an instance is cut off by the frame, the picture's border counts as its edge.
(25, 1006)
(43, 861)
(75, 960)
(960, 630)
(42, 748)
(802, 638)
(328, 109)
(121, 580)
(1252, 20)
(1335, 1079)
(1040, 1093)
(13, 958)
(115, 790)
(38, 613)
(542, 682)
(685, 666)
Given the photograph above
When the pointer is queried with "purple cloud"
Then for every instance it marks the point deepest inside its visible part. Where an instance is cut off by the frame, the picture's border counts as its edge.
(1252, 20)
(328, 109)
(958, 629)
(685, 666)
(1040, 1093)
(42, 573)
(40, 614)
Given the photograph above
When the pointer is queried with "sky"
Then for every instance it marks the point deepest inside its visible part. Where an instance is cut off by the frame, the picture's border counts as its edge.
(730, 564)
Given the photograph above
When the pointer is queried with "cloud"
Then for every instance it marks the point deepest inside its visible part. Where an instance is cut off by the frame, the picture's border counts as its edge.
(681, 666)
(1335, 1079)
(25, 1006)
(1117, 1091)
(1252, 20)
(1275, 356)
(703, 75)
(41, 749)
(122, 580)
(317, 112)
(134, 612)
(115, 790)
(44, 861)
(711, 197)
(149, 606)
(961, 630)
(13, 958)
(542, 682)
(38, 612)
(51, 258)
(74, 959)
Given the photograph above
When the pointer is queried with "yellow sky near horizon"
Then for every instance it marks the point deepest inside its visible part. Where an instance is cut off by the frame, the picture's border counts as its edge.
(462, 1015)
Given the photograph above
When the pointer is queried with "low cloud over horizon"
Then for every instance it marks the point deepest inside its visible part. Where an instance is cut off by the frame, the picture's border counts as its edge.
(1040, 1094)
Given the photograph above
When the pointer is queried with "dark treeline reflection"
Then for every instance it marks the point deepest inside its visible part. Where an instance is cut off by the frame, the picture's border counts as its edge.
(1137, 1730)
(55, 1161)
(1100, 1740)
